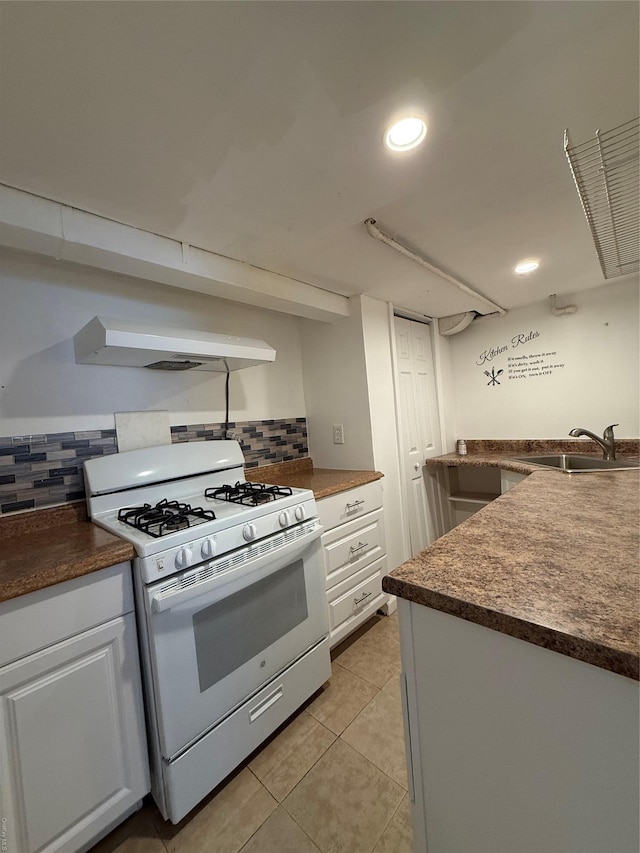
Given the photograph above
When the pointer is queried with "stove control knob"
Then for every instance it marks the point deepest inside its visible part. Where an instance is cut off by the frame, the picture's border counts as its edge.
(209, 548)
(249, 532)
(300, 513)
(183, 558)
(283, 519)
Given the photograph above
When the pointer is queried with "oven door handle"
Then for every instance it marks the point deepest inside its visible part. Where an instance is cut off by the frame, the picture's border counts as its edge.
(253, 570)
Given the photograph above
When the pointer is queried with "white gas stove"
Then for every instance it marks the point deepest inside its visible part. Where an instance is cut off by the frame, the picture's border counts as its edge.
(182, 504)
(230, 603)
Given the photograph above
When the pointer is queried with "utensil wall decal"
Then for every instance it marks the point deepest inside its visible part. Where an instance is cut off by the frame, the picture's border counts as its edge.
(493, 376)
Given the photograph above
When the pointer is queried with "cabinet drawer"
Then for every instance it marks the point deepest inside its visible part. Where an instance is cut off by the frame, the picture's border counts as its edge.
(47, 616)
(345, 506)
(353, 546)
(355, 594)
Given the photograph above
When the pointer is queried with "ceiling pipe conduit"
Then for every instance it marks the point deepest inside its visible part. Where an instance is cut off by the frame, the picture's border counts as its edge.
(378, 234)
(557, 310)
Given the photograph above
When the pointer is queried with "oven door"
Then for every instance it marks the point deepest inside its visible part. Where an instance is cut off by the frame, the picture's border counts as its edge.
(219, 632)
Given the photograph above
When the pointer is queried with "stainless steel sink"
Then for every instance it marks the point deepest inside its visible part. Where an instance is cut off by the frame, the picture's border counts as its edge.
(572, 464)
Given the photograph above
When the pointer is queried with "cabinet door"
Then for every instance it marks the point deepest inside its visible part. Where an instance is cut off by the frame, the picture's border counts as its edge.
(72, 748)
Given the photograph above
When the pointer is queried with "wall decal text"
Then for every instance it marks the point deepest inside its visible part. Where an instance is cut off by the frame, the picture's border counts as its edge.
(532, 365)
(520, 365)
(516, 341)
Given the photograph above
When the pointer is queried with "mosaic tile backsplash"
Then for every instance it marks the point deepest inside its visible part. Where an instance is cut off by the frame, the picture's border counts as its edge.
(44, 470)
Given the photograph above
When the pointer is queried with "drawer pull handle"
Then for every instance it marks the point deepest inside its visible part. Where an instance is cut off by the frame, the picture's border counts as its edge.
(266, 703)
(355, 505)
(358, 601)
(359, 547)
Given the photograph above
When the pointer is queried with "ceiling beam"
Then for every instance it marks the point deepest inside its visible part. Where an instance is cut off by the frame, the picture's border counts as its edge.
(34, 224)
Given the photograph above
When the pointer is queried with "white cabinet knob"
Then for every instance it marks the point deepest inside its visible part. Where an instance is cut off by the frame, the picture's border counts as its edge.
(416, 465)
(300, 513)
(249, 532)
(183, 558)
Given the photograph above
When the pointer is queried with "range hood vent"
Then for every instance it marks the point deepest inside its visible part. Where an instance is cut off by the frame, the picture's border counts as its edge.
(124, 343)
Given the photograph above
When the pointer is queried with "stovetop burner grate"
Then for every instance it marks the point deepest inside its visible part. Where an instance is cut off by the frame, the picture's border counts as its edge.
(165, 517)
(249, 494)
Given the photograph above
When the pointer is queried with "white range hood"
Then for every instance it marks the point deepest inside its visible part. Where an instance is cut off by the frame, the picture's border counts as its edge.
(127, 343)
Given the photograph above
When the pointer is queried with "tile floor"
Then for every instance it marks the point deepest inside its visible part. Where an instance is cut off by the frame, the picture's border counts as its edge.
(333, 779)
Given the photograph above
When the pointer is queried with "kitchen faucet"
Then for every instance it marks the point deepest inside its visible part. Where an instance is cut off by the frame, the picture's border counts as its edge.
(607, 442)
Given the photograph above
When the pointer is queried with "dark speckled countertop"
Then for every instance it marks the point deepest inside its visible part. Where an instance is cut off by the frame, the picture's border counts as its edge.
(555, 562)
(301, 474)
(48, 546)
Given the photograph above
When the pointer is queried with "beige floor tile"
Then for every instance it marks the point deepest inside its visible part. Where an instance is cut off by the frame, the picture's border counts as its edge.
(375, 656)
(136, 835)
(225, 821)
(341, 700)
(280, 834)
(285, 760)
(398, 836)
(377, 733)
(386, 627)
(364, 629)
(344, 803)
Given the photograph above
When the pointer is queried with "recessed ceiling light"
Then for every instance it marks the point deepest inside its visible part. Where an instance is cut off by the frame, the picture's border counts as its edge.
(527, 266)
(405, 134)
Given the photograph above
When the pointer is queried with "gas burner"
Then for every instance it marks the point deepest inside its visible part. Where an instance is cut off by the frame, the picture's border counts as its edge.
(249, 494)
(164, 518)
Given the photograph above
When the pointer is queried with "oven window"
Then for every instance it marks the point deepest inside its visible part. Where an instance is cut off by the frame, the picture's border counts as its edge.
(232, 631)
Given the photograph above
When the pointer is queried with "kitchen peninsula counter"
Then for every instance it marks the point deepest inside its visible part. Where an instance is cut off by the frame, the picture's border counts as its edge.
(301, 474)
(45, 547)
(553, 562)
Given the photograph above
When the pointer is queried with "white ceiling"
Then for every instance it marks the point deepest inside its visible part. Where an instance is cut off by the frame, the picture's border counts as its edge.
(254, 130)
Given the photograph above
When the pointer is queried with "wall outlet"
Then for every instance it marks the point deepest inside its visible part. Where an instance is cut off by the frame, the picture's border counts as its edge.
(338, 434)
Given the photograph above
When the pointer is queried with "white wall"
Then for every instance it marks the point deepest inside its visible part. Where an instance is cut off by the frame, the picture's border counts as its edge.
(336, 392)
(348, 379)
(42, 389)
(597, 385)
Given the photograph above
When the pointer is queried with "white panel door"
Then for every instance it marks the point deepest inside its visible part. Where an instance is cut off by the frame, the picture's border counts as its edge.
(419, 425)
(426, 400)
(420, 521)
(72, 747)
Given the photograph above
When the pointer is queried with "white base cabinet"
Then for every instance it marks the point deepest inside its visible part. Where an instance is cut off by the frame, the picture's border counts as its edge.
(513, 748)
(73, 759)
(354, 557)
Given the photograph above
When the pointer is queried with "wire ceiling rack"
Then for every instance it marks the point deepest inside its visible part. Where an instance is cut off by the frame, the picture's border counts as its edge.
(607, 176)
